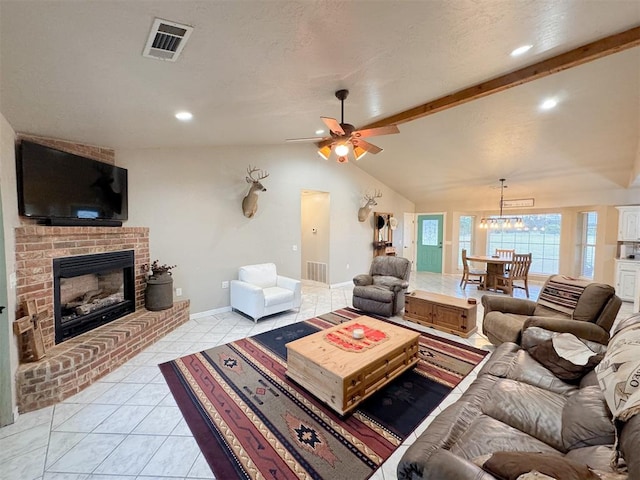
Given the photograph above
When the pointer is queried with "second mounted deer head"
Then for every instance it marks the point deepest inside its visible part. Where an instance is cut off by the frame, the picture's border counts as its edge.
(250, 201)
(364, 211)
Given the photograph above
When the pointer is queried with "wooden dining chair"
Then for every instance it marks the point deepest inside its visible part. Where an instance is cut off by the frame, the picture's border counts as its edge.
(518, 270)
(505, 253)
(471, 275)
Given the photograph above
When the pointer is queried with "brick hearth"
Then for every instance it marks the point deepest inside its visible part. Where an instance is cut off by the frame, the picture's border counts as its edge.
(76, 363)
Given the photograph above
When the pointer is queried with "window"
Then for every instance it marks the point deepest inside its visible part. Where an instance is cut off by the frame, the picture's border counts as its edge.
(465, 237)
(588, 243)
(541, 237)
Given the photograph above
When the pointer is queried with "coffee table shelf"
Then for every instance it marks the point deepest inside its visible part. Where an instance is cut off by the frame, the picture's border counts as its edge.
(343, 379)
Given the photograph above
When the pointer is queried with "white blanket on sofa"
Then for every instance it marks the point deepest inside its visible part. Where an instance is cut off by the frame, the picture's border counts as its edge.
(619, 373)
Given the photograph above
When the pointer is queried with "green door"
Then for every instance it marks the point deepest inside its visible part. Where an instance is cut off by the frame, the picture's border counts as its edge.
(429, 254)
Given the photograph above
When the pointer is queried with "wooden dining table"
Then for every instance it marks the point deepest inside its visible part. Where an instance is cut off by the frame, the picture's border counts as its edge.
(495, 267)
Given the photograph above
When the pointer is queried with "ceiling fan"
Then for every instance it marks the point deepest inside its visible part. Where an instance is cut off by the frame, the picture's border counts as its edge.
(344, 138)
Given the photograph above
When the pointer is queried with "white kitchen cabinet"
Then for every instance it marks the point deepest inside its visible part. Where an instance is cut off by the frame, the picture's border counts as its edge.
(626, 284)
(629, 223)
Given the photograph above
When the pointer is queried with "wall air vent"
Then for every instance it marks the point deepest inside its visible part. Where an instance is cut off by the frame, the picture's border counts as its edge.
(166, 40)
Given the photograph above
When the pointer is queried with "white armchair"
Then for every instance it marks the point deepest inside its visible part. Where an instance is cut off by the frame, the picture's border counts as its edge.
(260, 291)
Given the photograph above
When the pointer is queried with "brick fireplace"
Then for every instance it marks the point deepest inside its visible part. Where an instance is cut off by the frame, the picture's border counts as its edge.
(72, 365)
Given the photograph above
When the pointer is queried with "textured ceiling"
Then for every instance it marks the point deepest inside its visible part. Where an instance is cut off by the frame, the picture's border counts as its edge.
(258, 72)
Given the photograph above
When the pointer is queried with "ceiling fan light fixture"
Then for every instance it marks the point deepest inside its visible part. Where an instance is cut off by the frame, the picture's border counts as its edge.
(359, 152)
(325, 152)
(342, 149)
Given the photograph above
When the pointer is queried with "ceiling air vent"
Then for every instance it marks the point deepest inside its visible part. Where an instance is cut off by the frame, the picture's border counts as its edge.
(166, 40)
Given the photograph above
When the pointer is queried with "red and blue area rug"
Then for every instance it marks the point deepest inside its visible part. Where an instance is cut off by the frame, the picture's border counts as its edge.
(252, 422)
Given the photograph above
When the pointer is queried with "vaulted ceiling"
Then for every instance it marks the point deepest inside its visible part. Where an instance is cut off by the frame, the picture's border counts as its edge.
(259, 72)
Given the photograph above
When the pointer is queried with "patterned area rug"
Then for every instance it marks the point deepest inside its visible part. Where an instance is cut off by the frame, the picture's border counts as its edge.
(252, 422)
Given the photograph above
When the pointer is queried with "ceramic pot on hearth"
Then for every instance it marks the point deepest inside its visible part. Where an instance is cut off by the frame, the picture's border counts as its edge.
(159, 292)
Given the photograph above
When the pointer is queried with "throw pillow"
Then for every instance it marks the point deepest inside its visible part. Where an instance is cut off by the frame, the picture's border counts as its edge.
(510, 465)
(568, 357)
(586, 420)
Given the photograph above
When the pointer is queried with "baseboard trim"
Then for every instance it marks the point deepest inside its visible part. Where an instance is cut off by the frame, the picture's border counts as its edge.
(208, 313)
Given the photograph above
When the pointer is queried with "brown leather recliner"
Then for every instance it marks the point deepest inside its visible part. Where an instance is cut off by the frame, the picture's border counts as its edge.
(586, 309)
(382, 290)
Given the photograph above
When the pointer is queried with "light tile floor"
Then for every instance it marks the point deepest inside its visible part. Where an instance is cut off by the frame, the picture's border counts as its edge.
(127, 425)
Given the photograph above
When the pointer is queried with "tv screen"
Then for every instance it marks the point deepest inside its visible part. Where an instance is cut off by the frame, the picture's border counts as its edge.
(57, 185)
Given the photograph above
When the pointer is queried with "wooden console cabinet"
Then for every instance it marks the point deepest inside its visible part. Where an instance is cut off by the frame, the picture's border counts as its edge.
(442, 312)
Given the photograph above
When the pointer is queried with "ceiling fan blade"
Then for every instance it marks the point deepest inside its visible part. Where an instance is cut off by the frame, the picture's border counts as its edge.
(325, 142)
(309, 139)
(333, 125)
(369, 147)
(374, 132)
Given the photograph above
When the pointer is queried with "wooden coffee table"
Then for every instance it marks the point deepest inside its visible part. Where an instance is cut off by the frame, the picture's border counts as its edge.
(342, 371)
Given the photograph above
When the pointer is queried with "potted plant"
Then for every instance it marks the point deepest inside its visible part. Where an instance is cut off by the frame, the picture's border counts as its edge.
(158, 294)
(156, 270)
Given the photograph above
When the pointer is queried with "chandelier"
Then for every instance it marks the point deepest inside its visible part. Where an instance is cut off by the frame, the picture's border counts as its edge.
(495, 223)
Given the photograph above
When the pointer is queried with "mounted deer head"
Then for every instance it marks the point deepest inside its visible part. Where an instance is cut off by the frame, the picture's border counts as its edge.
(364, 211)
(250, 202)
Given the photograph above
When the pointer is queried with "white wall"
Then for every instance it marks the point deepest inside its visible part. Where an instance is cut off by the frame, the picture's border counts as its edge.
(10, 220)
(190, 198)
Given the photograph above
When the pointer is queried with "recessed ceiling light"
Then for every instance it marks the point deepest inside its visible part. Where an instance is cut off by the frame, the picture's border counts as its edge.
(319, 131)
(520, 50)
(184, 116)
(548, 104)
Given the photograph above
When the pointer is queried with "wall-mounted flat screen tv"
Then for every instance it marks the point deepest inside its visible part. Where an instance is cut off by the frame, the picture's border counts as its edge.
(61, 188)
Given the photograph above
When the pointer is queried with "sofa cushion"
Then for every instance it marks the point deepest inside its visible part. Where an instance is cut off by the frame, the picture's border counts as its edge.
(566, 356)
(262, 275)
(372, 292)
(504, 327)
(387, 281)
(532, 410)
(598, 457)
(586, 420)
(277, 296)
(510, 361)
(487, 435)
(397, 267)
(510, 465)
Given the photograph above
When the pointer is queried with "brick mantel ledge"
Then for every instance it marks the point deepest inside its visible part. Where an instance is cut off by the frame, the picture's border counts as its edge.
(76, 363)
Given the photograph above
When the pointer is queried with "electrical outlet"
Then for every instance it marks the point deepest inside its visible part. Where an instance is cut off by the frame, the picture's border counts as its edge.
(295, 248)
(347, 266)
(178, 292)
(225, 284)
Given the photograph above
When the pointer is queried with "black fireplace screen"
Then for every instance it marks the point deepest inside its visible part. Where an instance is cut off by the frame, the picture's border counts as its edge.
(91, 290)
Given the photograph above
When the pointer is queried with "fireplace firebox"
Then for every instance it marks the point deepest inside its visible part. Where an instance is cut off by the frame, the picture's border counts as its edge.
(92, 290)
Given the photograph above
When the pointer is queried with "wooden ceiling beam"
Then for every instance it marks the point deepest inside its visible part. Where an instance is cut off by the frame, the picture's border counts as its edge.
(578, 56)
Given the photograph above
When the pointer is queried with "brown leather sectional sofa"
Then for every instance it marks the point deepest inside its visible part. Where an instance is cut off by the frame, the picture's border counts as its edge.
(518, 405)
